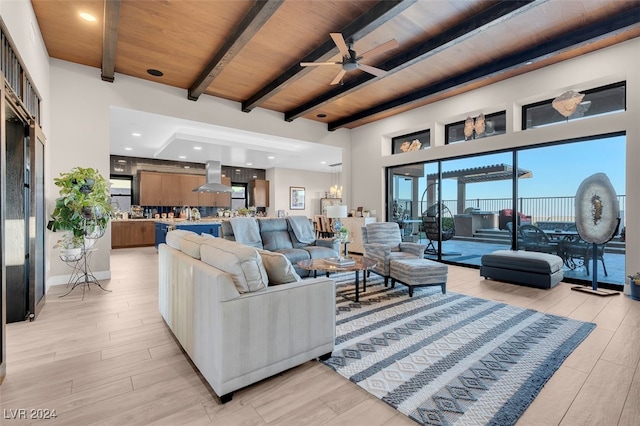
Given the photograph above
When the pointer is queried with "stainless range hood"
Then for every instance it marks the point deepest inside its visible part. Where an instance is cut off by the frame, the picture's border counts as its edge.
(214, 175)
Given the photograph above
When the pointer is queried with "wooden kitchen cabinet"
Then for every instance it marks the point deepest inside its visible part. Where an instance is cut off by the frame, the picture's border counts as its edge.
(176, 190)
(212, 199)
(223, 199)
(171, 190)
(187, 184)
(151, 189)
(260, 193)
(132, 233)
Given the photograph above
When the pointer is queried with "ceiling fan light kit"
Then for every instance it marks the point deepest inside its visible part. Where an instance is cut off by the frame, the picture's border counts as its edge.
(351, 60)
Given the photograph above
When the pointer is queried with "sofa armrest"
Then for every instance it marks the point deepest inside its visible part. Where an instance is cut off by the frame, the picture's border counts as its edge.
(414, 248)
(332, 243)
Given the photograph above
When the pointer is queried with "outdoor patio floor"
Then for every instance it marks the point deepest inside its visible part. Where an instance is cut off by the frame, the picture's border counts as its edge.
(470, 252)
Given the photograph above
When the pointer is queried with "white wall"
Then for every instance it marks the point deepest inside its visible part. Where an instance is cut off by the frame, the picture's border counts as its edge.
(371, 144)
(314, 183)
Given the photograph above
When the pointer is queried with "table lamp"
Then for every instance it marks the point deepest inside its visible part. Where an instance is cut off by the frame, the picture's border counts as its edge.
(336, 213)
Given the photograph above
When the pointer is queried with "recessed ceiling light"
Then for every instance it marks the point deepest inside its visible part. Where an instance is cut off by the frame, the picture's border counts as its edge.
(87, 17)
(128, 149)
(323, 162)
(182, 157)
(155, 73)
(197, 148)
(249, 164)
(271, 157)
(136, 134)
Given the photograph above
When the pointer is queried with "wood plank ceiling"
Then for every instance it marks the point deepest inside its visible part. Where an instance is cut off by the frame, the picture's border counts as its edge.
(250, 51)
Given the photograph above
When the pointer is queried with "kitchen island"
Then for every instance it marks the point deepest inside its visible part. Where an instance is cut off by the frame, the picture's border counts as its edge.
(203, 226)
(148, 232)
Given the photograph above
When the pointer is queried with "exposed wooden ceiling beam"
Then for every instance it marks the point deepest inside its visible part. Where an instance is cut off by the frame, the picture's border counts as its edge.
(574, 39)
(257, 16)
(110, 39)
(363, 25)
(490, 16)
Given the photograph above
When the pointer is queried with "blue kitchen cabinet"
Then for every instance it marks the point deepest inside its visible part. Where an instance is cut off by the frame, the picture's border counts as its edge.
(207, 228)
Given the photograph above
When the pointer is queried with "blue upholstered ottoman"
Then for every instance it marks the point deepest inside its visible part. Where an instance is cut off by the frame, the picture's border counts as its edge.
(418, 273)
(530, 268)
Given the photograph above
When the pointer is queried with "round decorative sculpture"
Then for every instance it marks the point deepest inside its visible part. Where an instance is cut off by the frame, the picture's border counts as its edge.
(597, 209)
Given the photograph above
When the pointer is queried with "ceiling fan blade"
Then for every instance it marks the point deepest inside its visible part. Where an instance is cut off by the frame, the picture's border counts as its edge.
(338, 77)
(391, 44)
(372, 70)
(313, 64)
(340, 43)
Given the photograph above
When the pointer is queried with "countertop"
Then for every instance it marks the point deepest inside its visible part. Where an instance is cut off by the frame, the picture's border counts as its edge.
(205, 221)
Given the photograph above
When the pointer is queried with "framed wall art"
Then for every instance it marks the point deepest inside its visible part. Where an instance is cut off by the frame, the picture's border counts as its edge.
(296, 198)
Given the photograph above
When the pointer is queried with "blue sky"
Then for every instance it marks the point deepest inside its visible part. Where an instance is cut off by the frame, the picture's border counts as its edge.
(557, 170)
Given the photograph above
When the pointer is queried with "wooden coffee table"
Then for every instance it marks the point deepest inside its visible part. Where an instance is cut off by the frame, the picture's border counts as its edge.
(361, 264)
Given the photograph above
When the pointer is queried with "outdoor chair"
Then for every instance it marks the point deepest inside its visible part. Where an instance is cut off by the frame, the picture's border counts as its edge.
(578, 250)
(383, 242)
(431, 225)
(582, 251)
(505, 216)
(534, 239)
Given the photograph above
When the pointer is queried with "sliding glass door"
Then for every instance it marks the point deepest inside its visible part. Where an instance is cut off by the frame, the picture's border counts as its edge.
(465, 207)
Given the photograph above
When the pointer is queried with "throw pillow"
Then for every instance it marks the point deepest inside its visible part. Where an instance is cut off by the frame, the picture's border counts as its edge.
(279, 268)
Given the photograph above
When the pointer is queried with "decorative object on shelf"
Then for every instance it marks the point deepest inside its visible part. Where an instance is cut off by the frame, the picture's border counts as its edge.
(407, 146)
(567, 103)
(597, 220)
(296, 198)
(474, 128)
(83, 211)
(336, 213)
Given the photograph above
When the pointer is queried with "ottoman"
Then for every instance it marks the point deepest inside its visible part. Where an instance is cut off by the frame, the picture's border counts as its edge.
(530, 268)
(418, 273)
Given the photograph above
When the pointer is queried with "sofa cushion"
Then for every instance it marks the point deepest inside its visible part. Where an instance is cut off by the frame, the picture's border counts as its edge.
(174, 238)
(242, 262)
(191, 245)
(278, 267)
(275, 234)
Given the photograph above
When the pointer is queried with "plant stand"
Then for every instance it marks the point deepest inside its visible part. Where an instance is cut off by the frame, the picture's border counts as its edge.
(81, 274)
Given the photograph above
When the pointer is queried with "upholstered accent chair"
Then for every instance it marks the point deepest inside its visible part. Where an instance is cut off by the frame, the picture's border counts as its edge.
(383, 242)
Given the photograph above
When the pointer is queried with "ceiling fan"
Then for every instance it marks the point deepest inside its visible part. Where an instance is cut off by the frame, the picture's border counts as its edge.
(351, 61)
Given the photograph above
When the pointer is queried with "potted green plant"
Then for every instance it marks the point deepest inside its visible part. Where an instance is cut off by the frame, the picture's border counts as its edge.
(83, 208)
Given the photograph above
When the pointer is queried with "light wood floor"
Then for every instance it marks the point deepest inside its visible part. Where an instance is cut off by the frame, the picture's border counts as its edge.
(109, 359)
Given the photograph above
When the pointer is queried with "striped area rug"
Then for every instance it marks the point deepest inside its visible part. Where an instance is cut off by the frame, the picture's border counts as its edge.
(448, 359)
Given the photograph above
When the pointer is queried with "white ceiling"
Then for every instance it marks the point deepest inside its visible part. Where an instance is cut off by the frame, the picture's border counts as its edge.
(169, 138)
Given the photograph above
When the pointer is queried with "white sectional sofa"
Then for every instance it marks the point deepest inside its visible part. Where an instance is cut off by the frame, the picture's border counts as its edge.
(235, 324)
